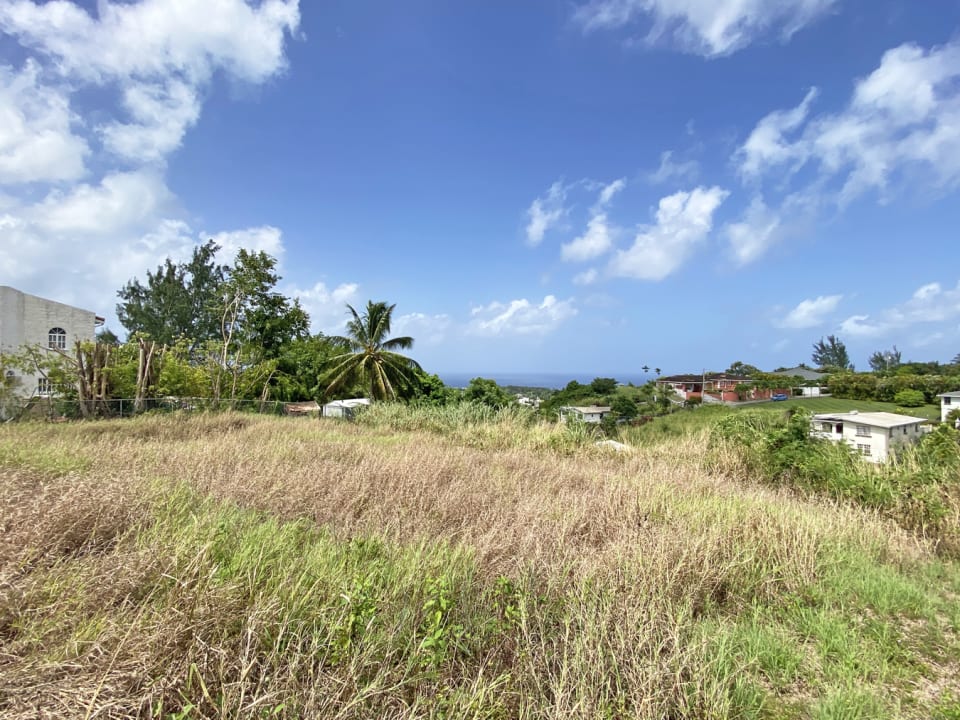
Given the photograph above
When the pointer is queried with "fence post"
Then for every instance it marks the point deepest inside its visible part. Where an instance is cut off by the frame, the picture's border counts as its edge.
(121, 407)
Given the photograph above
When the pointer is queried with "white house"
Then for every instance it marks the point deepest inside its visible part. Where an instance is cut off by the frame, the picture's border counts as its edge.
(344, 408)
(30, 320)
(588, 413)
(948, 401)
(872, 434)
(811, 379)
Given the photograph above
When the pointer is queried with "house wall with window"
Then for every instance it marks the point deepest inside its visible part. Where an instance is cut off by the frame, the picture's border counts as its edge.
(872, 435)
(948, 402)
(30, 320)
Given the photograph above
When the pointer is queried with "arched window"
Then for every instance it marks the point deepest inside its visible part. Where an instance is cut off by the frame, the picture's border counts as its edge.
(57, 339)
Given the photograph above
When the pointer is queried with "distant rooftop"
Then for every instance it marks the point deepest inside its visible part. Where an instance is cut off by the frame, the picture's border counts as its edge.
(875, 419)
(955, 393)
(805, 373)
(589, 409)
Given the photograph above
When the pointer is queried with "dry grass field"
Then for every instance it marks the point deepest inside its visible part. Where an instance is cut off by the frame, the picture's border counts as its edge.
(233, 566)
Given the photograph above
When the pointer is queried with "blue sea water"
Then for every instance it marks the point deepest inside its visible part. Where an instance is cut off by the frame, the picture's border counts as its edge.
(542, 380)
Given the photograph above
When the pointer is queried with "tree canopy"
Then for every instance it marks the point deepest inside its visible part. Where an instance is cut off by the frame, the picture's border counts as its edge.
(831, 354)
(371, 361)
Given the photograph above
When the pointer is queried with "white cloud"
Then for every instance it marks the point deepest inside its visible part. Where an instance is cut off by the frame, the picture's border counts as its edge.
(521, 317)
(598, 237)
(266, 239)
(767, 145)
(683, 221)
(424, 329)
(36, 140)
(327, 307)
(608, 192)
(671, 170)
(593, 243)
(77, 235)
(545, 212)
(810, 313)
(158, 53)
(706, 27)
(587, 277)
(930, 304)
(902, 123)
(859, 326)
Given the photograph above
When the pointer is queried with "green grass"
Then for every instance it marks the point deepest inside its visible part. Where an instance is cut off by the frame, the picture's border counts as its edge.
(830, 404)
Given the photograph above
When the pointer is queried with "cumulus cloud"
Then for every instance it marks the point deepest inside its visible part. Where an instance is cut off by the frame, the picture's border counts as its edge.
(521, 317)
(683, 221)
(902, 121)
(598, 237)
(705, 27)
(327, 307)
(86, 205)
(545, 212)
(159, 53)
(587, 277)
(423, 328)
(810, 313)
(37, 142)
(929, 304)
(671, 170)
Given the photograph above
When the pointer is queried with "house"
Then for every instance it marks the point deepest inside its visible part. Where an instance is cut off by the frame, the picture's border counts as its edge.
(344, 408)
(812, 381)
(872, 434)
(693, 386)
(587, 414)
(716, 387)
(28, 320)
(948, 401)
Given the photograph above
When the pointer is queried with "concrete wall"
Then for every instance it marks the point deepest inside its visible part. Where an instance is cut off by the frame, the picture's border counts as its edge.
(946, 405)
(28, 319)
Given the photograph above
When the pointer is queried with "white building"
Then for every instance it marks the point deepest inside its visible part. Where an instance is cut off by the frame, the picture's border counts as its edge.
(948, 401)
(872, 434)
(588, 413)
(28, 320)
(344, 408)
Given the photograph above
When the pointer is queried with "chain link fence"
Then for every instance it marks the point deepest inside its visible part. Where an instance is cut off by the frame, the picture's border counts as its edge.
(54, 408)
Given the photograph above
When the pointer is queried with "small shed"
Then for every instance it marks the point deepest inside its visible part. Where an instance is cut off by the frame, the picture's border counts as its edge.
(344, 408)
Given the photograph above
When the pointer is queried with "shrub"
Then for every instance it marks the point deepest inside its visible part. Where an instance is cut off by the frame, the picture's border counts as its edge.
(909, 398)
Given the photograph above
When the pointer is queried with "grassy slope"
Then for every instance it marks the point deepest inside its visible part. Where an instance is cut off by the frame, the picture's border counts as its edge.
(250, 567)
(830, 404)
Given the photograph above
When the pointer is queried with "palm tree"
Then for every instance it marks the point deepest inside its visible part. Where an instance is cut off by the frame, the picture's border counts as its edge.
(646, 369)
(371, 359)
(657, 371)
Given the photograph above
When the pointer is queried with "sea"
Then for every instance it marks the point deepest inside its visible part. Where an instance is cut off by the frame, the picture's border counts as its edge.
(553, 381)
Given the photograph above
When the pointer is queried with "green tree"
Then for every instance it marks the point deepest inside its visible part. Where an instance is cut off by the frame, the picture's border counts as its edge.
(625, 406)
(178, 300)
(487, 392)
(371, 360)
(743, 369)
(885, 360)
(909, 398)
(831, 354)
(603, 386)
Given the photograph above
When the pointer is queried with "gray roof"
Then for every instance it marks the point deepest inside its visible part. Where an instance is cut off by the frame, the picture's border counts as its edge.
(801, 372)
(588, 409)
(955, 393)
(874, 419)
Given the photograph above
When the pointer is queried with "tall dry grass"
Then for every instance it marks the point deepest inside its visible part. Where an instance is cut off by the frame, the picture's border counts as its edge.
(234, 566)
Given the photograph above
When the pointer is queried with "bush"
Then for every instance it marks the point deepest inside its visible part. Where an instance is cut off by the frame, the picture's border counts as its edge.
(909, 398)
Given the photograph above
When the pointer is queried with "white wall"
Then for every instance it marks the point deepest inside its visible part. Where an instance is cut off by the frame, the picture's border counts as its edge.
(27, 320)
(945, 409)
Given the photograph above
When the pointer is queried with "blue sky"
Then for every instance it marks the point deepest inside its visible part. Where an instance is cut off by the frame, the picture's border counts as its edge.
(587, 186)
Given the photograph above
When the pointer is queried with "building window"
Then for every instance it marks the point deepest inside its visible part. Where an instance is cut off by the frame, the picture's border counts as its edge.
(57, 339)
(863, 449)
(44, 386)
(946, 401)
(826, 427)
(863, 431)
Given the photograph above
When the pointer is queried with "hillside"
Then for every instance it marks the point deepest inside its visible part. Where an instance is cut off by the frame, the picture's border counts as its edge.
(436, 564)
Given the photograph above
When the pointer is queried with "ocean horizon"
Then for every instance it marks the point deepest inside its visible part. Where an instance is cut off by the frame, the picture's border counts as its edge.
(553, 381)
